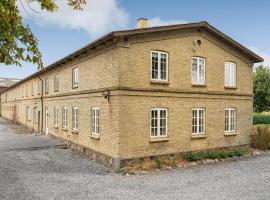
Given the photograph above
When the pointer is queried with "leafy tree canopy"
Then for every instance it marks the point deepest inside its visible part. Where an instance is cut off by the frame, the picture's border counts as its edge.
(17, 42)
(261, 89)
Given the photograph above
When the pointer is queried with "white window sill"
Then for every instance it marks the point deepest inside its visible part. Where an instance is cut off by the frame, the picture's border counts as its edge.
(75, 86)
(198, 84)
(230, 133)
(197, 136)
(64, 129)
(74, 131)
(156, 81)
(94, 136)
(158, 139)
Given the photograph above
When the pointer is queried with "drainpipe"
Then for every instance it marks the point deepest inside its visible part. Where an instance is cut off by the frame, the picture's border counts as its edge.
(41, 99)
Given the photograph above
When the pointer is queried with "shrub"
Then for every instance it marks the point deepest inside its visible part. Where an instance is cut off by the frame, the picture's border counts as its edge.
(158, 163)
(260, 118)
(261, 137)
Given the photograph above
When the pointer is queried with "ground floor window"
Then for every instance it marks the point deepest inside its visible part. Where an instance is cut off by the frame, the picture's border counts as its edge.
(230, 120)
(198, 120)
(64, 117)
(158, 124)
(75, 115)
(95, 120)
(28, 113)
(56, 116)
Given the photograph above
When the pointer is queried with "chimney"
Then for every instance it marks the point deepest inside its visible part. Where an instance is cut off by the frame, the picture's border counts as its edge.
(142, 23)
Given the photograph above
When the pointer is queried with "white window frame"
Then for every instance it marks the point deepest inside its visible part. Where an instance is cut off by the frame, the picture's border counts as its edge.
(56, 116)
(198, 124)
(39, 87)
(75, 116)
(64, 117)
(230, 73)
(56, 83)
(95, 119)
(75, 77)
(198, 81)
(159, 66)
(230, 117)
(47, 85)
(158, 122)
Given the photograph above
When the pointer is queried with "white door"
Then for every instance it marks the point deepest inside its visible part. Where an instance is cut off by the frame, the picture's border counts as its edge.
(46, 121)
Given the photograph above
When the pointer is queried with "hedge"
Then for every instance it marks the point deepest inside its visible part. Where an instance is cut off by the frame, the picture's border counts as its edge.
(259, 118)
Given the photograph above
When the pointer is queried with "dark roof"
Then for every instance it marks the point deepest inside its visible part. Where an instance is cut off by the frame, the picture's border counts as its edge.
(203, 25)
(7, 82)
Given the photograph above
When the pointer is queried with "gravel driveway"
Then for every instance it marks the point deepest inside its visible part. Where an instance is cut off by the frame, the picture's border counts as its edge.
(53, 173)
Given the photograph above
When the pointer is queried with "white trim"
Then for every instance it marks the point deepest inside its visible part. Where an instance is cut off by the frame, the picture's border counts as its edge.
(95, 120)
(64, 117)
(198, 121)
(75, 116)
(56, 116)
(75, 77)
(230, 74)
(158, 122)
(230, 130)
(197, 82)
(159, 69)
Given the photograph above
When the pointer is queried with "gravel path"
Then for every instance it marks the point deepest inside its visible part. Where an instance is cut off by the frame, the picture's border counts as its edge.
(61, 174)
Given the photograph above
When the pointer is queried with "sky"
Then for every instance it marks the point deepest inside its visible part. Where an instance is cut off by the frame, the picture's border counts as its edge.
(63, 32)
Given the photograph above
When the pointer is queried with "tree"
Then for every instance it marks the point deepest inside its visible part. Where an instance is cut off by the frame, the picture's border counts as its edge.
(261, 89)
(17, 42)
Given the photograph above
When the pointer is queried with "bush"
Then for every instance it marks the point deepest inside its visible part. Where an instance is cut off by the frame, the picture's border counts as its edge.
(261, 137)
(212, 155)
(260, 118)
(158, 163)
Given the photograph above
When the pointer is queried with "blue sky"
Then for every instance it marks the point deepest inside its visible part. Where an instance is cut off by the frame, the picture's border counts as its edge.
(61, 33)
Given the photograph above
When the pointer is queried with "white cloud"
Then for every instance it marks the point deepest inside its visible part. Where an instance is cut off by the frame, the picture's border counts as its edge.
(156, 21)
(264, 55)
(98, 16)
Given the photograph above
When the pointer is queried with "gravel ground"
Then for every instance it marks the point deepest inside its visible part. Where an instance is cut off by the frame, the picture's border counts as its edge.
(58, 174)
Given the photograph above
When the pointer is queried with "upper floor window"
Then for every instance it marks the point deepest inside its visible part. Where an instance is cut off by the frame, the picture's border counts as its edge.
(46, 85)
(64, 117)
(75, 77)
(56, 116)
(159, 68)
(95, 120)
(22, 92)
(32, 89)
(198, 121)
(230, 74)
(26, 91)
(75, 115)
(56, 83)
(39, 87)
(230, 120)
(158, 122)
(198, 70)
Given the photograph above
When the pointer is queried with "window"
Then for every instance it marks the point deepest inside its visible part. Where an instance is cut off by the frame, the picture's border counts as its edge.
(159, 66)
(28, 113)
(46, 85)
(26, 91)
(56, 116)
(35, 115)
(56, 83)
(230, 120)
(95, 120)
(64, 117)
(198, 70)
(75, 77)
(198, 121)
(39, 87)
(22, 92)
(230, 74)
(75, 118)
(32, 89)
(158, 124)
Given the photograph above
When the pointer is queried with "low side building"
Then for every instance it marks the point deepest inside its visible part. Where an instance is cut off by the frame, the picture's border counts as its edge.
(142, 92)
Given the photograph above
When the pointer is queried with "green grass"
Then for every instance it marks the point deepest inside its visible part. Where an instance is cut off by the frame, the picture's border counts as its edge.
(260, 118)
(196, 156)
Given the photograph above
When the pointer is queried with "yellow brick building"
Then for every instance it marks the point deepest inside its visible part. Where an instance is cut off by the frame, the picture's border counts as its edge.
(142, 92)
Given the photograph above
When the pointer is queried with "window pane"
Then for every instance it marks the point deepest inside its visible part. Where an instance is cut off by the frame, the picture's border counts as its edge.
(163, 66)
(194, 70)
(154, 65)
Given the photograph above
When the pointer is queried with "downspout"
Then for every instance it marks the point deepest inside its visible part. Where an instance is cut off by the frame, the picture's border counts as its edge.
(41, 99)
